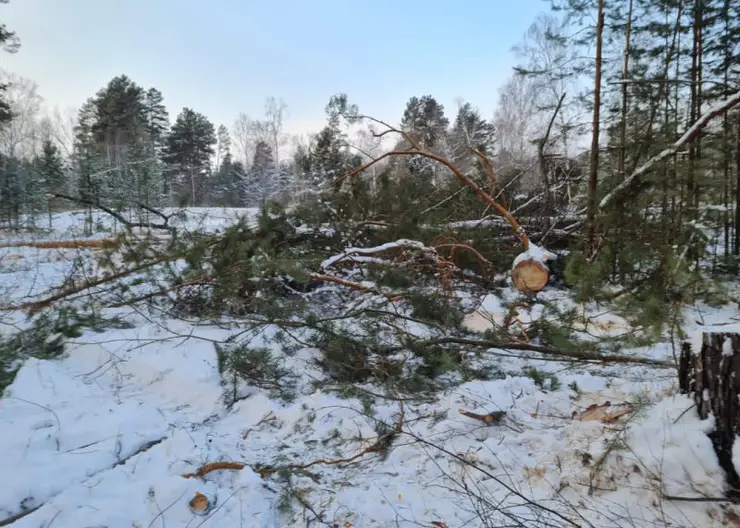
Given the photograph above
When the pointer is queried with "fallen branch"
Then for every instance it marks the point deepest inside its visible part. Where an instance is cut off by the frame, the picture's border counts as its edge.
(122, 219)
(494, 222)
(416, 150)
(214, 466)
(35, 306)
(354, 285)
(542, 144)
(144, 447)
(502, 483)
(164, 291)
(64, 244)
(698, 499)
(457, 245)
(369, 251)
(541, 349)
(616, 195)
(165, 218)
(381, 445)
(18, 516)
(208, 280)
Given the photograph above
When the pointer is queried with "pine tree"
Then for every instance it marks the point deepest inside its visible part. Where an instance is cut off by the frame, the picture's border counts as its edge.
(51, 171)
(10, 43)
(424, 120)
(144, 176)
(33, 202)
(470, 130)
(120, 113)
(227, 183)
(123, 117)
(87, 161)
(223, 148)
(11, 191)
(328, 157)
(188, 152)
(156, 118)
(260, 183)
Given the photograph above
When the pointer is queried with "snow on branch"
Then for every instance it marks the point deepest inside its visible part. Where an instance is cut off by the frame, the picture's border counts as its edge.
(636, 177)
(369, 251)
(529, 274)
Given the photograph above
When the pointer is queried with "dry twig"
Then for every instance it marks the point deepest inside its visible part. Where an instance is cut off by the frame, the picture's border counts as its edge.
(381, 445)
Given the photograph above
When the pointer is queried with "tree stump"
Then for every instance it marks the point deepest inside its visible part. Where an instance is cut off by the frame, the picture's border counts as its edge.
(712, 377)
(530, 275)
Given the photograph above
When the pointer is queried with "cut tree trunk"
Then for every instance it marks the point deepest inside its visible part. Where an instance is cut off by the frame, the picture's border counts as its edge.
(712, 377)
(530, 276)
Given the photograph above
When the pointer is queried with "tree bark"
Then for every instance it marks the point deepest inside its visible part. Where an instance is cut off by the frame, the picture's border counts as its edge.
(712, 377)
(621, 161)
(594, 161)
(736, 238)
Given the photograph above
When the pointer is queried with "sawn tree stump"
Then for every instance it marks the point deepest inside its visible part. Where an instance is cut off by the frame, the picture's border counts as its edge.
(712, 377)
(530, 276)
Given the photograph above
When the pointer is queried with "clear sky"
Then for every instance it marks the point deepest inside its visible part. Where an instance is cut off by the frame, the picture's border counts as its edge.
(222, 57)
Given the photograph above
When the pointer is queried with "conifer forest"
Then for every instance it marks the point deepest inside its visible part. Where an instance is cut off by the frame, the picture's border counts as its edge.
(441, 318)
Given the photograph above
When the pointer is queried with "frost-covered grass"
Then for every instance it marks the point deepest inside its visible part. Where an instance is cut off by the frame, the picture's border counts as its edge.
(101, 436)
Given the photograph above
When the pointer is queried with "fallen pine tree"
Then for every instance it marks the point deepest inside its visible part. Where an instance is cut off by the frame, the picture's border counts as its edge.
(351, 256)
(376, 306)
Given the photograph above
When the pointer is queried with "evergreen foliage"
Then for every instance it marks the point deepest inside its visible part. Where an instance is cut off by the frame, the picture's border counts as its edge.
(190, 145)
(663, 244)
(8, 42)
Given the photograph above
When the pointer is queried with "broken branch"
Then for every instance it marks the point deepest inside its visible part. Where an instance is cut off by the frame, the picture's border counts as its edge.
(620, 191)
(123, 220)
(575, 354)
(214, 466)
(415, 150)
(381, 445)
(35, 306)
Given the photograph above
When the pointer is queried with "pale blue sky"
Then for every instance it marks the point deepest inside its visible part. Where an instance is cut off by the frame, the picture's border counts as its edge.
(221, 57)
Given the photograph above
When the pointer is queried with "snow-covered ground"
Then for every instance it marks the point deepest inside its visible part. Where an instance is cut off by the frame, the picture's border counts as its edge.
(102, 436)
(70, 225)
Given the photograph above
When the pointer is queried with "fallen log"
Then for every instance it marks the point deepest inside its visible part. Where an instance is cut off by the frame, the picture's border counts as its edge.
(529, 272)
(558, 354)
(213, 466)
(530, 276)
(64, 244)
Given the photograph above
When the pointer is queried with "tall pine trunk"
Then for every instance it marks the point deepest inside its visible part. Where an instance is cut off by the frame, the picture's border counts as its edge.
(692, 183)
(622, 158)
(625, 95)
(736, 248)
(594, 161)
